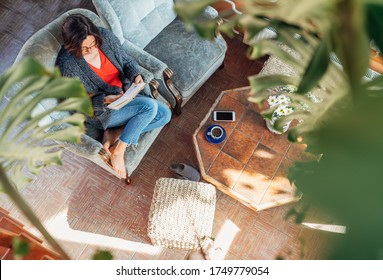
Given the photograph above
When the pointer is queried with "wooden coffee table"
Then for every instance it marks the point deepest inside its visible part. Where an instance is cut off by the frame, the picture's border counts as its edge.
(251, 164)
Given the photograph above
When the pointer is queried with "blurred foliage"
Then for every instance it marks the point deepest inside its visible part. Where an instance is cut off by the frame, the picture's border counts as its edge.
(27, 140)
(298, 215)
(23, 130)
(102, 255)
(20, 248)
(345, 128)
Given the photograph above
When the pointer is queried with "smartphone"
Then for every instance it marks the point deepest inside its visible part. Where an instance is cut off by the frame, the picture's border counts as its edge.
(223, 116)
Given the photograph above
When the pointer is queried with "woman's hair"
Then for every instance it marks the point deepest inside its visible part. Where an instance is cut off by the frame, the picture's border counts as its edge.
(75, 29)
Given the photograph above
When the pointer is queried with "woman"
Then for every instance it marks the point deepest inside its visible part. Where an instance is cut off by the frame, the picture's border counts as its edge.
(96, 57)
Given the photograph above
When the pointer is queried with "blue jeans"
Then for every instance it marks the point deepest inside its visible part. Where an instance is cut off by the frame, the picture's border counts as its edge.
(140, 115)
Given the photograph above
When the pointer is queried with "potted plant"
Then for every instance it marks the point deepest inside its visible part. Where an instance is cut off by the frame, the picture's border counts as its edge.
(332, 39)
(281, 107)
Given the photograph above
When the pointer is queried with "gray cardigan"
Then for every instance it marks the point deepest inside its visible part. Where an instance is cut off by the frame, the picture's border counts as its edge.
(71, 66)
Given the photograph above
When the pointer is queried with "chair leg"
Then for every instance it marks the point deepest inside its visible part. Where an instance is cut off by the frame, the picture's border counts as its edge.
(177, 108)
(128, 180)
(177, 95)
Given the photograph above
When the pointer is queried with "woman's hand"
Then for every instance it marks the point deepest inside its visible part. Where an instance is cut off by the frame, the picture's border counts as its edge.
(111, 98)
(138, 79)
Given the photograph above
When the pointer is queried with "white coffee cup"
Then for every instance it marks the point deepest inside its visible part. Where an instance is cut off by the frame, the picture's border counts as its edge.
(216, 132)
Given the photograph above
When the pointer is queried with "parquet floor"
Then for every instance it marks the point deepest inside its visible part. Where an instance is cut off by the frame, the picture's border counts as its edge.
(87, 209)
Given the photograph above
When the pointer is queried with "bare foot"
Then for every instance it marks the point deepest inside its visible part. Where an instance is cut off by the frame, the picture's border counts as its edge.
(111, 135)
(118, 164)
(117, 158)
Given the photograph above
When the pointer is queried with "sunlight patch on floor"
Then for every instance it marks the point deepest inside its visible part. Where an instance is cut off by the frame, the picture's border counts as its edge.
(264, 154)
(326, 227)
(223, 240)
(60, 229)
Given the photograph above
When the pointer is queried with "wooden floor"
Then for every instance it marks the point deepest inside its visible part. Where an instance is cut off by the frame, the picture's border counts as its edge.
(86, 208)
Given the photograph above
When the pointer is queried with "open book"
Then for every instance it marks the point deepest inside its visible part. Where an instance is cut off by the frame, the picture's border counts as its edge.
(127, 97)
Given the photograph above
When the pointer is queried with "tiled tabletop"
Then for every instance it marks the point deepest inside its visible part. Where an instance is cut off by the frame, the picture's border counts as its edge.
(251, 164)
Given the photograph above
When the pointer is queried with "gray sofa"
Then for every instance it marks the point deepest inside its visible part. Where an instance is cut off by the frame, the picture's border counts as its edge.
(44, 46)
(180, 60)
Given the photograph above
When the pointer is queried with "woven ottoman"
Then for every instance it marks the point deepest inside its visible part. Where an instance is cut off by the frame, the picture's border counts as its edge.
(181, 214)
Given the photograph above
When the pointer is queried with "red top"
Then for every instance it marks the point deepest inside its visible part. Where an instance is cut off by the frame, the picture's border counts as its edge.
(107, 72)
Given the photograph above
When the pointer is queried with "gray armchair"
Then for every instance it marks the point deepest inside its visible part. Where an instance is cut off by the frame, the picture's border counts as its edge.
(44, 46)
(180, 60)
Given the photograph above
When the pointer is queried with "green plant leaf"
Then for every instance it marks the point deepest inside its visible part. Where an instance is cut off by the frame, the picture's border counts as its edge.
(316, 67)
(288, 37)
(251, 26)
(374, 15)
(31, 68)
(190, 10)
(299, 216)
(260, 83)
(23, 142)
(268, 113)
(206, 29)
(352, 41)
(307, 9)
(102, 255)
(20, 248)
(266, 47)
(227, 27)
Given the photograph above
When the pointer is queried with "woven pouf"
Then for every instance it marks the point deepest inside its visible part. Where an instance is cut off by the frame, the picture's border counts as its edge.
(181, 213)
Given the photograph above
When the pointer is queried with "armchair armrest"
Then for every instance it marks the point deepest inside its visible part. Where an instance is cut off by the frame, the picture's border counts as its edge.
(161, 72)
(151, 87)
(209, 13)
(148, 77)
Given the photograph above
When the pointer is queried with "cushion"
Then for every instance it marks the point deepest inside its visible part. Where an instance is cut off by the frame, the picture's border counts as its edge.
(191, 58)
(136, 20)
(181, 214)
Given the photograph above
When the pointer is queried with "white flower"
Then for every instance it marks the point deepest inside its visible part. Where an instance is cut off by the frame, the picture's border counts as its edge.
(283, 110)
(312, 97)
(289, 110)
(282, 99)
(272, 100)
(276, 115)
(289, 88)
(280, 110)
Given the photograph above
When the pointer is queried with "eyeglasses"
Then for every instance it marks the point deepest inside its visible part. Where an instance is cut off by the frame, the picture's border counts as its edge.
(87, 49)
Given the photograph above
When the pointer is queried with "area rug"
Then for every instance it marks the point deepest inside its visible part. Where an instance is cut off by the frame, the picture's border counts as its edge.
(275, 65)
